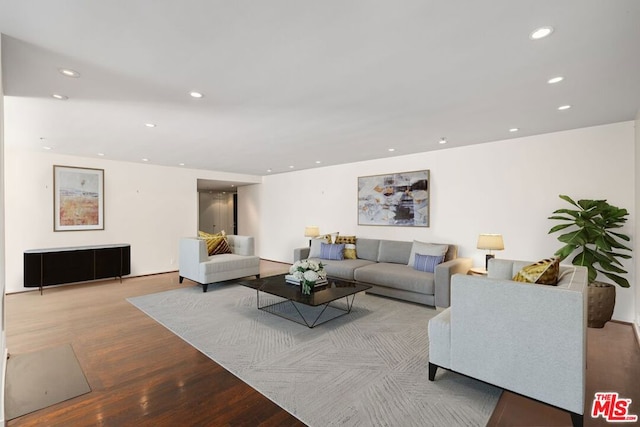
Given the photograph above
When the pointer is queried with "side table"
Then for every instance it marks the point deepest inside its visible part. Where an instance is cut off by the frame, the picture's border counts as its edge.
(477, 271)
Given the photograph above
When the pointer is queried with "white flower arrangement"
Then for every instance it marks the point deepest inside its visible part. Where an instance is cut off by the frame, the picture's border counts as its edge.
(308, 270)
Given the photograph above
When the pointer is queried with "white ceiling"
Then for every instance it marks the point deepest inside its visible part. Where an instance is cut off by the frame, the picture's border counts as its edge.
(292, 82)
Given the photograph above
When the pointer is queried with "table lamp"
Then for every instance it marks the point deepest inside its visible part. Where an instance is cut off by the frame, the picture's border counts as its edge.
(490, 242)
(311, 231)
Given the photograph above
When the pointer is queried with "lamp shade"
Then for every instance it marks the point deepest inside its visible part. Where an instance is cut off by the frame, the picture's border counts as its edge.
(491, 242)
(311, 231)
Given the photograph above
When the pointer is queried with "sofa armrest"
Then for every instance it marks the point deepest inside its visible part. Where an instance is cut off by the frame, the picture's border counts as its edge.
(192, 252)
(443, 274)
(301, 253)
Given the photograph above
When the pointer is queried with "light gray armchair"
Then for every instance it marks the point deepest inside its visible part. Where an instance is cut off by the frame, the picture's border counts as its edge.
(526, 338)
(198, 266)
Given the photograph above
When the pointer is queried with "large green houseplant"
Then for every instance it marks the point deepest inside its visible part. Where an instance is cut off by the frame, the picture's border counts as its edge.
(589, 234)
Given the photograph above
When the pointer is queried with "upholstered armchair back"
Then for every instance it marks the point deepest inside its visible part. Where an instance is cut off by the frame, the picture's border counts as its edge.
(527, 338)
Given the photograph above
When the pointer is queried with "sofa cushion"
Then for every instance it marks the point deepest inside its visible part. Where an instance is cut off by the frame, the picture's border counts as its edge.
(367, 249)
(343, 269)
(427, 263)
(543, 272)
(394, 251)
(397, 276)
(332, 251)
(349, 246)
(426, 249)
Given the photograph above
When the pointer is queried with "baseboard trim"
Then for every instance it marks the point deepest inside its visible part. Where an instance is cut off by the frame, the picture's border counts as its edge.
(636, 328)
(277, 262)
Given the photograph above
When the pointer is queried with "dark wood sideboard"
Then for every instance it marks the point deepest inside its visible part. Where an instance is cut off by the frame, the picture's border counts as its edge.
(55, 266)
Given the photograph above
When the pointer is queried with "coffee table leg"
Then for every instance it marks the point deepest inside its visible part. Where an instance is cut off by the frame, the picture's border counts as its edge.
(345, 310)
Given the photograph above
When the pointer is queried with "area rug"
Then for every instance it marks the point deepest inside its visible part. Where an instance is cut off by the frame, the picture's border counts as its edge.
(367, 368)
(42, 378)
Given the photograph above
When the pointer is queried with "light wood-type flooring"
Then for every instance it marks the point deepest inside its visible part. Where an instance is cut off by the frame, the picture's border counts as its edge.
(143, 375)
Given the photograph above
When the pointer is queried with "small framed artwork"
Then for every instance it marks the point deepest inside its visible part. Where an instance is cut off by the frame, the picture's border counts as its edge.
(399, 199)
(78, 195)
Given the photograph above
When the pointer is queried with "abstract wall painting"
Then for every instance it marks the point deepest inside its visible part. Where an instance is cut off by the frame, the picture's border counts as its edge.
(397, 199)
(78, 198)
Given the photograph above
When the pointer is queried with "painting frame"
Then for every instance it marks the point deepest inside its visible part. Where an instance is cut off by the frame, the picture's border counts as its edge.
(400, 199)
(78, 198)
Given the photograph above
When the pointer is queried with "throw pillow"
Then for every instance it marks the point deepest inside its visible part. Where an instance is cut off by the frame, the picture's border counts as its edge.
(544, 272)
(426, 249)
(314, 249)
(223, 247)
(216, 243)
(332, 251)
(427, 263)
(349, 246)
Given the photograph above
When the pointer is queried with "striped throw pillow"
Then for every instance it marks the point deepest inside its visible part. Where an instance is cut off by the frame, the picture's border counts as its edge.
(427, 263)
(333, 252)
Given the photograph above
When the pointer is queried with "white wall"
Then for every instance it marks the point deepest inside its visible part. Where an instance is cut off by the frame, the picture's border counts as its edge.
(3, 342)
(148, 206)
(249, 207)
(509, 187)
(637, 208)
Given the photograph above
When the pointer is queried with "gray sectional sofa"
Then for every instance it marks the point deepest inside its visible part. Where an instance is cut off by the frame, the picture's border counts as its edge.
(384, 265)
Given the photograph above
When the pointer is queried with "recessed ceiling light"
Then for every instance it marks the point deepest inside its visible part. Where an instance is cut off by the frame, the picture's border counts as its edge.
(514, 129)
(555, 80)
(443, 140)
(318, 162)
(564, 107)
(100, 154)
(145, 160)
(150, 125)
(291, 167)
(69, 72)
(540, 33)
(46, 148)
(268, 170)
(392, 149)
(180, 164)
(60, 97)
(196, 94)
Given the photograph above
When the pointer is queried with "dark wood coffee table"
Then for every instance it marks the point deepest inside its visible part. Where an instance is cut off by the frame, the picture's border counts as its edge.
(294, 305)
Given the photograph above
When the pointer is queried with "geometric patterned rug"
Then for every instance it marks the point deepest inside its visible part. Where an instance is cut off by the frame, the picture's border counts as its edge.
(368, 368)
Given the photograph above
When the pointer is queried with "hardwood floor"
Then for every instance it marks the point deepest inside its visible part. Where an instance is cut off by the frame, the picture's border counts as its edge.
(142, 374)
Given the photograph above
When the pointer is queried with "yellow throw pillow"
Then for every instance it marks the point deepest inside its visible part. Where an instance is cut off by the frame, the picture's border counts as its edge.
(216, 243)
(349, 246)
(544, 272)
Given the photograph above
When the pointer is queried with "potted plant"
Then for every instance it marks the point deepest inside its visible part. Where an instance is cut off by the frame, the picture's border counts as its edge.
(589, 233)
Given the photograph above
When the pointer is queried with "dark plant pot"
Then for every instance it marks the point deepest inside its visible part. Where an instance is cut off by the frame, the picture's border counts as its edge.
(602, 300)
